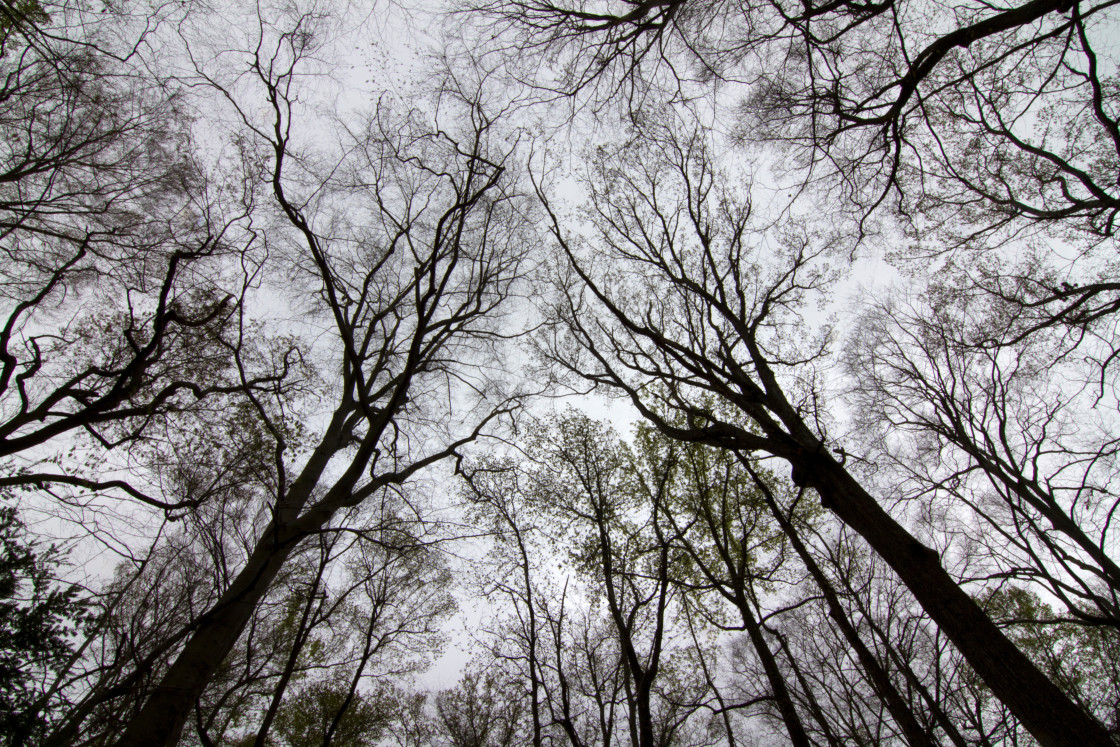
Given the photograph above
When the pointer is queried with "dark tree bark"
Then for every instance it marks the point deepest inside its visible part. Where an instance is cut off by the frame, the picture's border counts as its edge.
(807, 688)
(901, 662)
(1046, 712)
(704, 326)
(303, 632)
(406, 319)
(636, 599)
(781, 695)
(915, 735)
(1002, 430)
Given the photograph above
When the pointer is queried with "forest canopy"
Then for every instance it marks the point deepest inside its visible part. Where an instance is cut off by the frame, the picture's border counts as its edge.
(533, 372)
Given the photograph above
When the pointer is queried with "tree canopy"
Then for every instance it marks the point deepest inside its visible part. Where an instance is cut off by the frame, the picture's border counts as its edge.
(312, 316)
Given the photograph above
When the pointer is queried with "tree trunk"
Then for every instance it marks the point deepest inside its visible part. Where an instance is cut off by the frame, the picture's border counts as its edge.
(1043, 709)
(161, 719)
(645, 715)
(786, 708)
(807, 688)
(935, 708)
(916, 736)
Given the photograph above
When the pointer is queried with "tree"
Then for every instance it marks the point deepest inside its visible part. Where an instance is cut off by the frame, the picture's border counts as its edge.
(502, 504)
(592, 635)
(479, 712)
(157, 592)
(739, 524)
(609, 507)
(974, 129)
(131, 339)
(412, 726)
(412, 294)
(126, 264)
(716, 514)
(885, 102)
(867, 649)
(705, 307)
(1081, 659)
(40, 619)
(978, 128)
(260, 312)
(1002, 419)
(874, 669)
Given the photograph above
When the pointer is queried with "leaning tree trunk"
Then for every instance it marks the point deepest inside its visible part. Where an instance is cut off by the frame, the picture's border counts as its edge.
(161, 719)
(916, 736)
(1043, 709)
(782, 697)
(911, 676)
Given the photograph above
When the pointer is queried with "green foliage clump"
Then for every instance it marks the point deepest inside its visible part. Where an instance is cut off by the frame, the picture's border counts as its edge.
(39, 620)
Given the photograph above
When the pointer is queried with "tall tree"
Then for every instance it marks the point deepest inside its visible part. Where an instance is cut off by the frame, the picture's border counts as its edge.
(609, 504)
(706, 307)
(502, 504)
(717, 516)
(411, 286)
(1004, 419)
(480, 712)
(606, 660)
